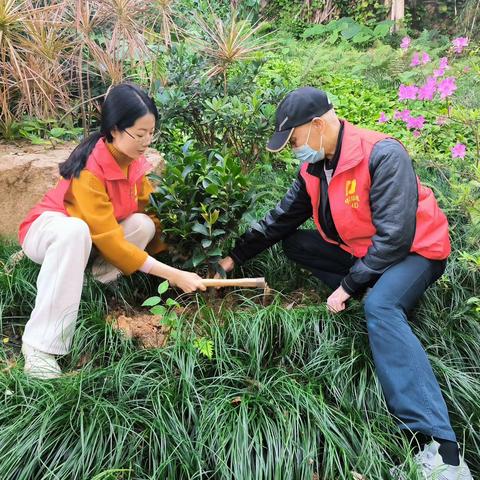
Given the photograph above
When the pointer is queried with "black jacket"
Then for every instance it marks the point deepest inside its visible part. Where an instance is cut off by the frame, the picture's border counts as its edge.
(393, 195)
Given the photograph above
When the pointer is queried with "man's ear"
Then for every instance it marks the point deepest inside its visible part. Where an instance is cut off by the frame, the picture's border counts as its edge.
(320, 124)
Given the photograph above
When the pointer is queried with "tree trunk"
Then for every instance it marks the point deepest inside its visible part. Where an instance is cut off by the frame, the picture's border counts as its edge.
(397, 12)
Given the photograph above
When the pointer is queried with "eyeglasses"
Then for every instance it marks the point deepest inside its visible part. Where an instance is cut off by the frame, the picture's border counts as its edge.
(141, 138)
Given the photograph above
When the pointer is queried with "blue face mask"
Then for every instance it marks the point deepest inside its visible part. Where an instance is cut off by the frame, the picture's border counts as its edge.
(306, 154)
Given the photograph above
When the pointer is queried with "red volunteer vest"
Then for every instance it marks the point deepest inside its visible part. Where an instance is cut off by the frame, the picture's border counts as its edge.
(122, 191)
(349, 195)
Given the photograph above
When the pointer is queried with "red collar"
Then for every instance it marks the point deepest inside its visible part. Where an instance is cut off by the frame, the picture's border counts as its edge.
(111, 169)
(351, 153)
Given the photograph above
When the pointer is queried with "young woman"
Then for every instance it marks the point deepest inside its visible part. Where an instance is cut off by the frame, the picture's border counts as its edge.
(99, 201)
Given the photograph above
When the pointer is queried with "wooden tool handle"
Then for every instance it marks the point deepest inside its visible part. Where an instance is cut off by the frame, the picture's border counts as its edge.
(235, 282)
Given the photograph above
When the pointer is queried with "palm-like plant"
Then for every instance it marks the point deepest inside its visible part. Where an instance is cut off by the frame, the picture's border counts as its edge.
(225, 42)
(123, 18)
(12, 15)
(43, 44)
(49, 54)
(163, 14)
(126, 41)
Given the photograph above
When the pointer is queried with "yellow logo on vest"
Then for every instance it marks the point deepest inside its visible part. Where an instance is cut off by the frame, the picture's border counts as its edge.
(351, 198)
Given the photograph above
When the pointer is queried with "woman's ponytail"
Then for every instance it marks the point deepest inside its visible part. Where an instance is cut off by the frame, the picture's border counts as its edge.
(77, 160)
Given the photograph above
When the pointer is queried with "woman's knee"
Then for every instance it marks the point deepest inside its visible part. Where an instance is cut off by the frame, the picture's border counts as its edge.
(76, 231)
(142, 223)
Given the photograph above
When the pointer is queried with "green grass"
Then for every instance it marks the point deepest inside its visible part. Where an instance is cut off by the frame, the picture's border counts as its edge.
(289, 392)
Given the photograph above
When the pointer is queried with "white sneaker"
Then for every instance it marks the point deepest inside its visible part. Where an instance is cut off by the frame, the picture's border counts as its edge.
(39, 364)
(431, 466)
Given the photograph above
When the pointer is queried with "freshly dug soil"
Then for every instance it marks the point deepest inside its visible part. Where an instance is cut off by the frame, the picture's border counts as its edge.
(144, 328)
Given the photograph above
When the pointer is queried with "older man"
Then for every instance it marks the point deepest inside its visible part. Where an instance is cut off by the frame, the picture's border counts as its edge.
(378, 227)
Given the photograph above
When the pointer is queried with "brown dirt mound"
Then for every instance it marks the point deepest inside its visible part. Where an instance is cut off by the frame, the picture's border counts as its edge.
(146, 329)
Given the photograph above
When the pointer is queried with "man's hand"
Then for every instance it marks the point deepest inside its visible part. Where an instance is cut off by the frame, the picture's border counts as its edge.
(227, 264)
(336, 301)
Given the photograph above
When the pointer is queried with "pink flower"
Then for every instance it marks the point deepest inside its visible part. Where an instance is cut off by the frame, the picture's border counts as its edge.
(459, 44)
(446, 87)
(403, 115)
(441, 120)
(405, 43)
(459, 150)
(466, 69)
(440, 72)
(427, 91)
(416, 122)
(415, 60)
(407, 92)
(416, 133)
(383, 118)
(425, 58)
(443, 63)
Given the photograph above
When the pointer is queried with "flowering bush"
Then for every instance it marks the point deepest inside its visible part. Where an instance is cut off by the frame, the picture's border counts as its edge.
(438, 101)
(434, 86)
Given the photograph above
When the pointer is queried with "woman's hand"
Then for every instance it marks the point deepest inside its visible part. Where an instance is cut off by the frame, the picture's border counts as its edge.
(188, 281)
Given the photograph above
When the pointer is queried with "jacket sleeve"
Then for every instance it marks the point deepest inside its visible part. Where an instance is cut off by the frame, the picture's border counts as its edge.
(291, 212)
(393, 203)
(93, 205)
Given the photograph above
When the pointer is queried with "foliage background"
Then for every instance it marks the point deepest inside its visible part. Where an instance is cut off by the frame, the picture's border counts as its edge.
(290, 391)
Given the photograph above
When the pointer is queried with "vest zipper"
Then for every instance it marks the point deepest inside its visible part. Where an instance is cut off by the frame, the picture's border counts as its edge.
(333, 220)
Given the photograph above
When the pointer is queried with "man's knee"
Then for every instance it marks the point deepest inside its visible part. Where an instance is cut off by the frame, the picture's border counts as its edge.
(375, 303)
(290, 246)
(379, 311)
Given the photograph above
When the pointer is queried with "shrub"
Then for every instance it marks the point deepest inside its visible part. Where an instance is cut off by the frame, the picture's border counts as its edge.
(241, 118)
(348, 29)
(200, 201)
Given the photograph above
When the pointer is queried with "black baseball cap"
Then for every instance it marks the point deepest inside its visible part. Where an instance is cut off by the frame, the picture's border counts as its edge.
(297, 108)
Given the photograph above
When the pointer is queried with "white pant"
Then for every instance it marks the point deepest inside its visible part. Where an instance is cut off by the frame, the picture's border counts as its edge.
(62, 245)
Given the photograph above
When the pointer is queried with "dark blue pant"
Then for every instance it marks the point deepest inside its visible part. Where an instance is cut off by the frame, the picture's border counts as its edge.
(411, 390)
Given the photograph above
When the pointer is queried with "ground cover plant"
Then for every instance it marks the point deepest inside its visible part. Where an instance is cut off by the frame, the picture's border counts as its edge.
(237, 389)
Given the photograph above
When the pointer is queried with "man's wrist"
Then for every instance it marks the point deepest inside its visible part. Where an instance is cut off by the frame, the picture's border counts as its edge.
(349, 285)
(235, 258)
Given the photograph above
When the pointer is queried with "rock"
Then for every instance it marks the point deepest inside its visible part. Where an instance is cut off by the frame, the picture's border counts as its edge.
(28, 171)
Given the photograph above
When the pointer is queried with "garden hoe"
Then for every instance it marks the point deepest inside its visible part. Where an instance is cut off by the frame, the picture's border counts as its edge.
(241, 282)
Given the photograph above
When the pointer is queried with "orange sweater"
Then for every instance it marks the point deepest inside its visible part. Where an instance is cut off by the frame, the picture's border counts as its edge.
(88, 199)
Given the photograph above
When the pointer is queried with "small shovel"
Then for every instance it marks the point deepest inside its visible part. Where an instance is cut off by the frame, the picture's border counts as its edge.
(240, 282)
(235, 282)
